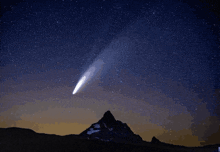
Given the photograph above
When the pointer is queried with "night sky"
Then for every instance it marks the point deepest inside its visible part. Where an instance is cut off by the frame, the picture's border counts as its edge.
(160, 71)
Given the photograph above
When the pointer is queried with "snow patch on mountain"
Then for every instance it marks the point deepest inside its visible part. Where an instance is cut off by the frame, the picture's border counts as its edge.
(105, 125)
(97, 126)
(110, 129)
(91, 131)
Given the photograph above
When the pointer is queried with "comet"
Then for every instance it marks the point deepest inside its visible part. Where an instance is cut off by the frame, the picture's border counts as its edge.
(109, 56)
(88, 75)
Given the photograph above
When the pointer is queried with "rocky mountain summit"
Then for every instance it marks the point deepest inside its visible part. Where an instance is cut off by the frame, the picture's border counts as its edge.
(109, 129)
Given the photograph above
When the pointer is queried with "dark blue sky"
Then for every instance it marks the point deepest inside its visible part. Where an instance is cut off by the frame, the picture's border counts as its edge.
(169, 47)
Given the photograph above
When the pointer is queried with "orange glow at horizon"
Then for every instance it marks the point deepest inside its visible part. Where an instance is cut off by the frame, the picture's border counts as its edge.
(54, 110)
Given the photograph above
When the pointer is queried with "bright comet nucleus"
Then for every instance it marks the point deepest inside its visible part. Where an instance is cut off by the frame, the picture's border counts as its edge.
(79, 84)
(84, 79)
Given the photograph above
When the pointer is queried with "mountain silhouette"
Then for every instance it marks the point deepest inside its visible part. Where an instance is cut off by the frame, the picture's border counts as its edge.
(107, 135)
(109, 129)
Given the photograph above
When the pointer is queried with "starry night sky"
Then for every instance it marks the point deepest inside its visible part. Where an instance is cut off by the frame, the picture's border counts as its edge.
(161, 72)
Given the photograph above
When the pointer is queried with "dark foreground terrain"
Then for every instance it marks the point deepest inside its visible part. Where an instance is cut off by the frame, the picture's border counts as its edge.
(26, 140)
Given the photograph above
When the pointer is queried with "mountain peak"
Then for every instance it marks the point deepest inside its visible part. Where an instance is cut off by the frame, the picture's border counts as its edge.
(107, 118)
(109, 129)
(108, 113)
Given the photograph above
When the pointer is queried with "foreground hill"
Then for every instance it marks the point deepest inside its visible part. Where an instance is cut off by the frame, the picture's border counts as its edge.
(26, 140)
